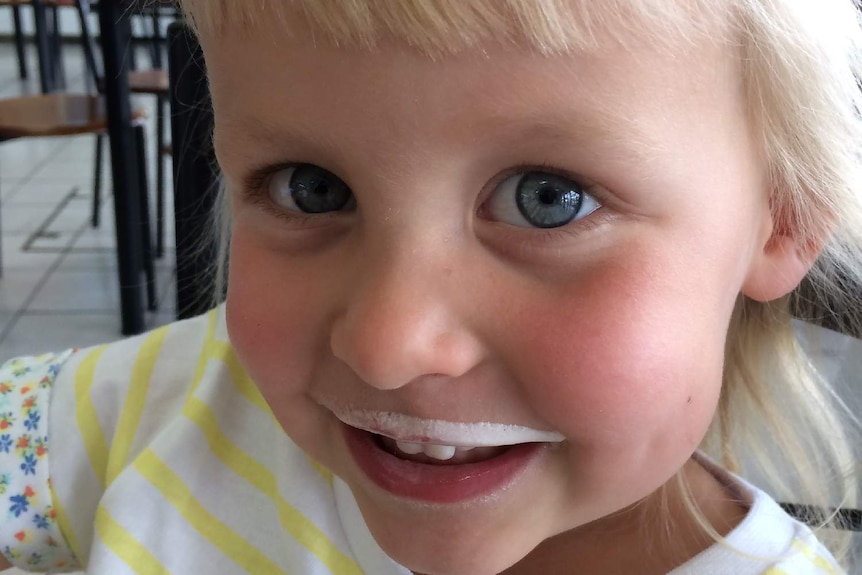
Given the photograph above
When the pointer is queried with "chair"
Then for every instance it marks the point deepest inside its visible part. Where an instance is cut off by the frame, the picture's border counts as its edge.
(53, 37)
(18, 31)
(154, 82)
(65, 114)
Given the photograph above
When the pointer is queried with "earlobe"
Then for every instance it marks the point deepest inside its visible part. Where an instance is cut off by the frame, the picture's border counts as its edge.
(778, 268)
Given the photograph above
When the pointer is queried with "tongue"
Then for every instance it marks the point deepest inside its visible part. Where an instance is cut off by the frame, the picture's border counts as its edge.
(461, 457)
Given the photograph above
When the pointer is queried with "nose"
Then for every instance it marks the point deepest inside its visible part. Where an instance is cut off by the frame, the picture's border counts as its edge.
(404, 319)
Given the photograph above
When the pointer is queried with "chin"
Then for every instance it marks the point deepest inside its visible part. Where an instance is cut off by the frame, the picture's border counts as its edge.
(465, 551)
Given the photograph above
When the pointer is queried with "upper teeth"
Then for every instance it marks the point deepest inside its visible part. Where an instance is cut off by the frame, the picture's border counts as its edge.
(442, 452)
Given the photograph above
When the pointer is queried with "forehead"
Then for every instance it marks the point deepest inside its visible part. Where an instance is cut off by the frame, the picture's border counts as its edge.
(397, 110)
(437, 27)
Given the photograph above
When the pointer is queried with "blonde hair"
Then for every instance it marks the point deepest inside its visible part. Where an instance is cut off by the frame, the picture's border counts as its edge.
(800, 62)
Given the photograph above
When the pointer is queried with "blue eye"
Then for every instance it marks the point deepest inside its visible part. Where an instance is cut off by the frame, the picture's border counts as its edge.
(309, 189)
(541, 200)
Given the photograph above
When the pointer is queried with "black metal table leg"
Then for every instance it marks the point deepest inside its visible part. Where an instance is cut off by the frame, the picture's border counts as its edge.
(116, 34)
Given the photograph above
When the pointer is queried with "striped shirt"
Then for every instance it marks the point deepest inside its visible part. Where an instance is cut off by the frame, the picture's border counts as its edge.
(157, 454)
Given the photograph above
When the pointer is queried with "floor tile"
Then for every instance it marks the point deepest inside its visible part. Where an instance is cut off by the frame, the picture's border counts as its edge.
(97, 239)
(17, 286)
(28, 152)
(21, 169)
(81, 149)
(38, 333)
(104, 261)
(77, 172)
(16, 259)
(36, 191)
(6, 318)
(25, 219)
(53, 242)
(77, 290)
(9, 187)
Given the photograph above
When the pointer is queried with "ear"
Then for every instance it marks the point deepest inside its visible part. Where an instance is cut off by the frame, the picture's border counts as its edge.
(778, 268)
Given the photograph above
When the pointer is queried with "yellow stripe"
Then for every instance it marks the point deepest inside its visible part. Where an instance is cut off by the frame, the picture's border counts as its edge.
(295, 523)
(64, 524)
(224, 352)
(136, 399)
(125, 546)
(181, 497)
(323, 471)
(85, 411)
(818, 560)
(775, 571)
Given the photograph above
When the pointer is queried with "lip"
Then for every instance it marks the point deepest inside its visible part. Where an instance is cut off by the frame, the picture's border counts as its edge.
(441, 484)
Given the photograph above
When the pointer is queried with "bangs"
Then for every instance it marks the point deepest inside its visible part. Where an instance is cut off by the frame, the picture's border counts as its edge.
(451, 26)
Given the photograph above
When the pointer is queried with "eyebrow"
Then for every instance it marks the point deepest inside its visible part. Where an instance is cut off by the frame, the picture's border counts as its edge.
(252, 129)
(614, 130)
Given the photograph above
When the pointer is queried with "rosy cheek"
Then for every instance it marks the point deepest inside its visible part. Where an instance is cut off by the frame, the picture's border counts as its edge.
(268, 329)
(619, 358)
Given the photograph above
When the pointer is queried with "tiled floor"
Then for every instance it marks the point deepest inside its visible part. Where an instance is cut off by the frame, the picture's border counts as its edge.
(59, 286)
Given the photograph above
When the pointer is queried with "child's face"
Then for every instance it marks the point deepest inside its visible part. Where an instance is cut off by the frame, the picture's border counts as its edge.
(428, 292)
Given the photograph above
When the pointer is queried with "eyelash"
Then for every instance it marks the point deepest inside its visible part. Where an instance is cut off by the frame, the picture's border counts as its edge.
(255, 192)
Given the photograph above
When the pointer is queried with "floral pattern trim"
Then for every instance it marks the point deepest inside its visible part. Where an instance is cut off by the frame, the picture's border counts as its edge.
(29, 535)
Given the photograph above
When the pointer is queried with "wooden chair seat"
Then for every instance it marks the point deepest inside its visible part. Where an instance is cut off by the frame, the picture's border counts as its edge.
(149, 82)
(54, 115)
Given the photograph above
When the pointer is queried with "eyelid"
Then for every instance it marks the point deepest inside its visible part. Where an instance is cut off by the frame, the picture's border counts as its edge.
(253, 182)
(595, 190)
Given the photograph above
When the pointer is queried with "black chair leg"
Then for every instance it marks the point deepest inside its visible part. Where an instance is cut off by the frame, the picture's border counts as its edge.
(161, 103)
(146, 233)
(59, 67)
(97, 182)
(19, 42)
(158, 41)
(132, 54)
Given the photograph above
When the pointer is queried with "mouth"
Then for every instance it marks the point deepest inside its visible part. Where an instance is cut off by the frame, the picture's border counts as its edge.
(438, 473)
